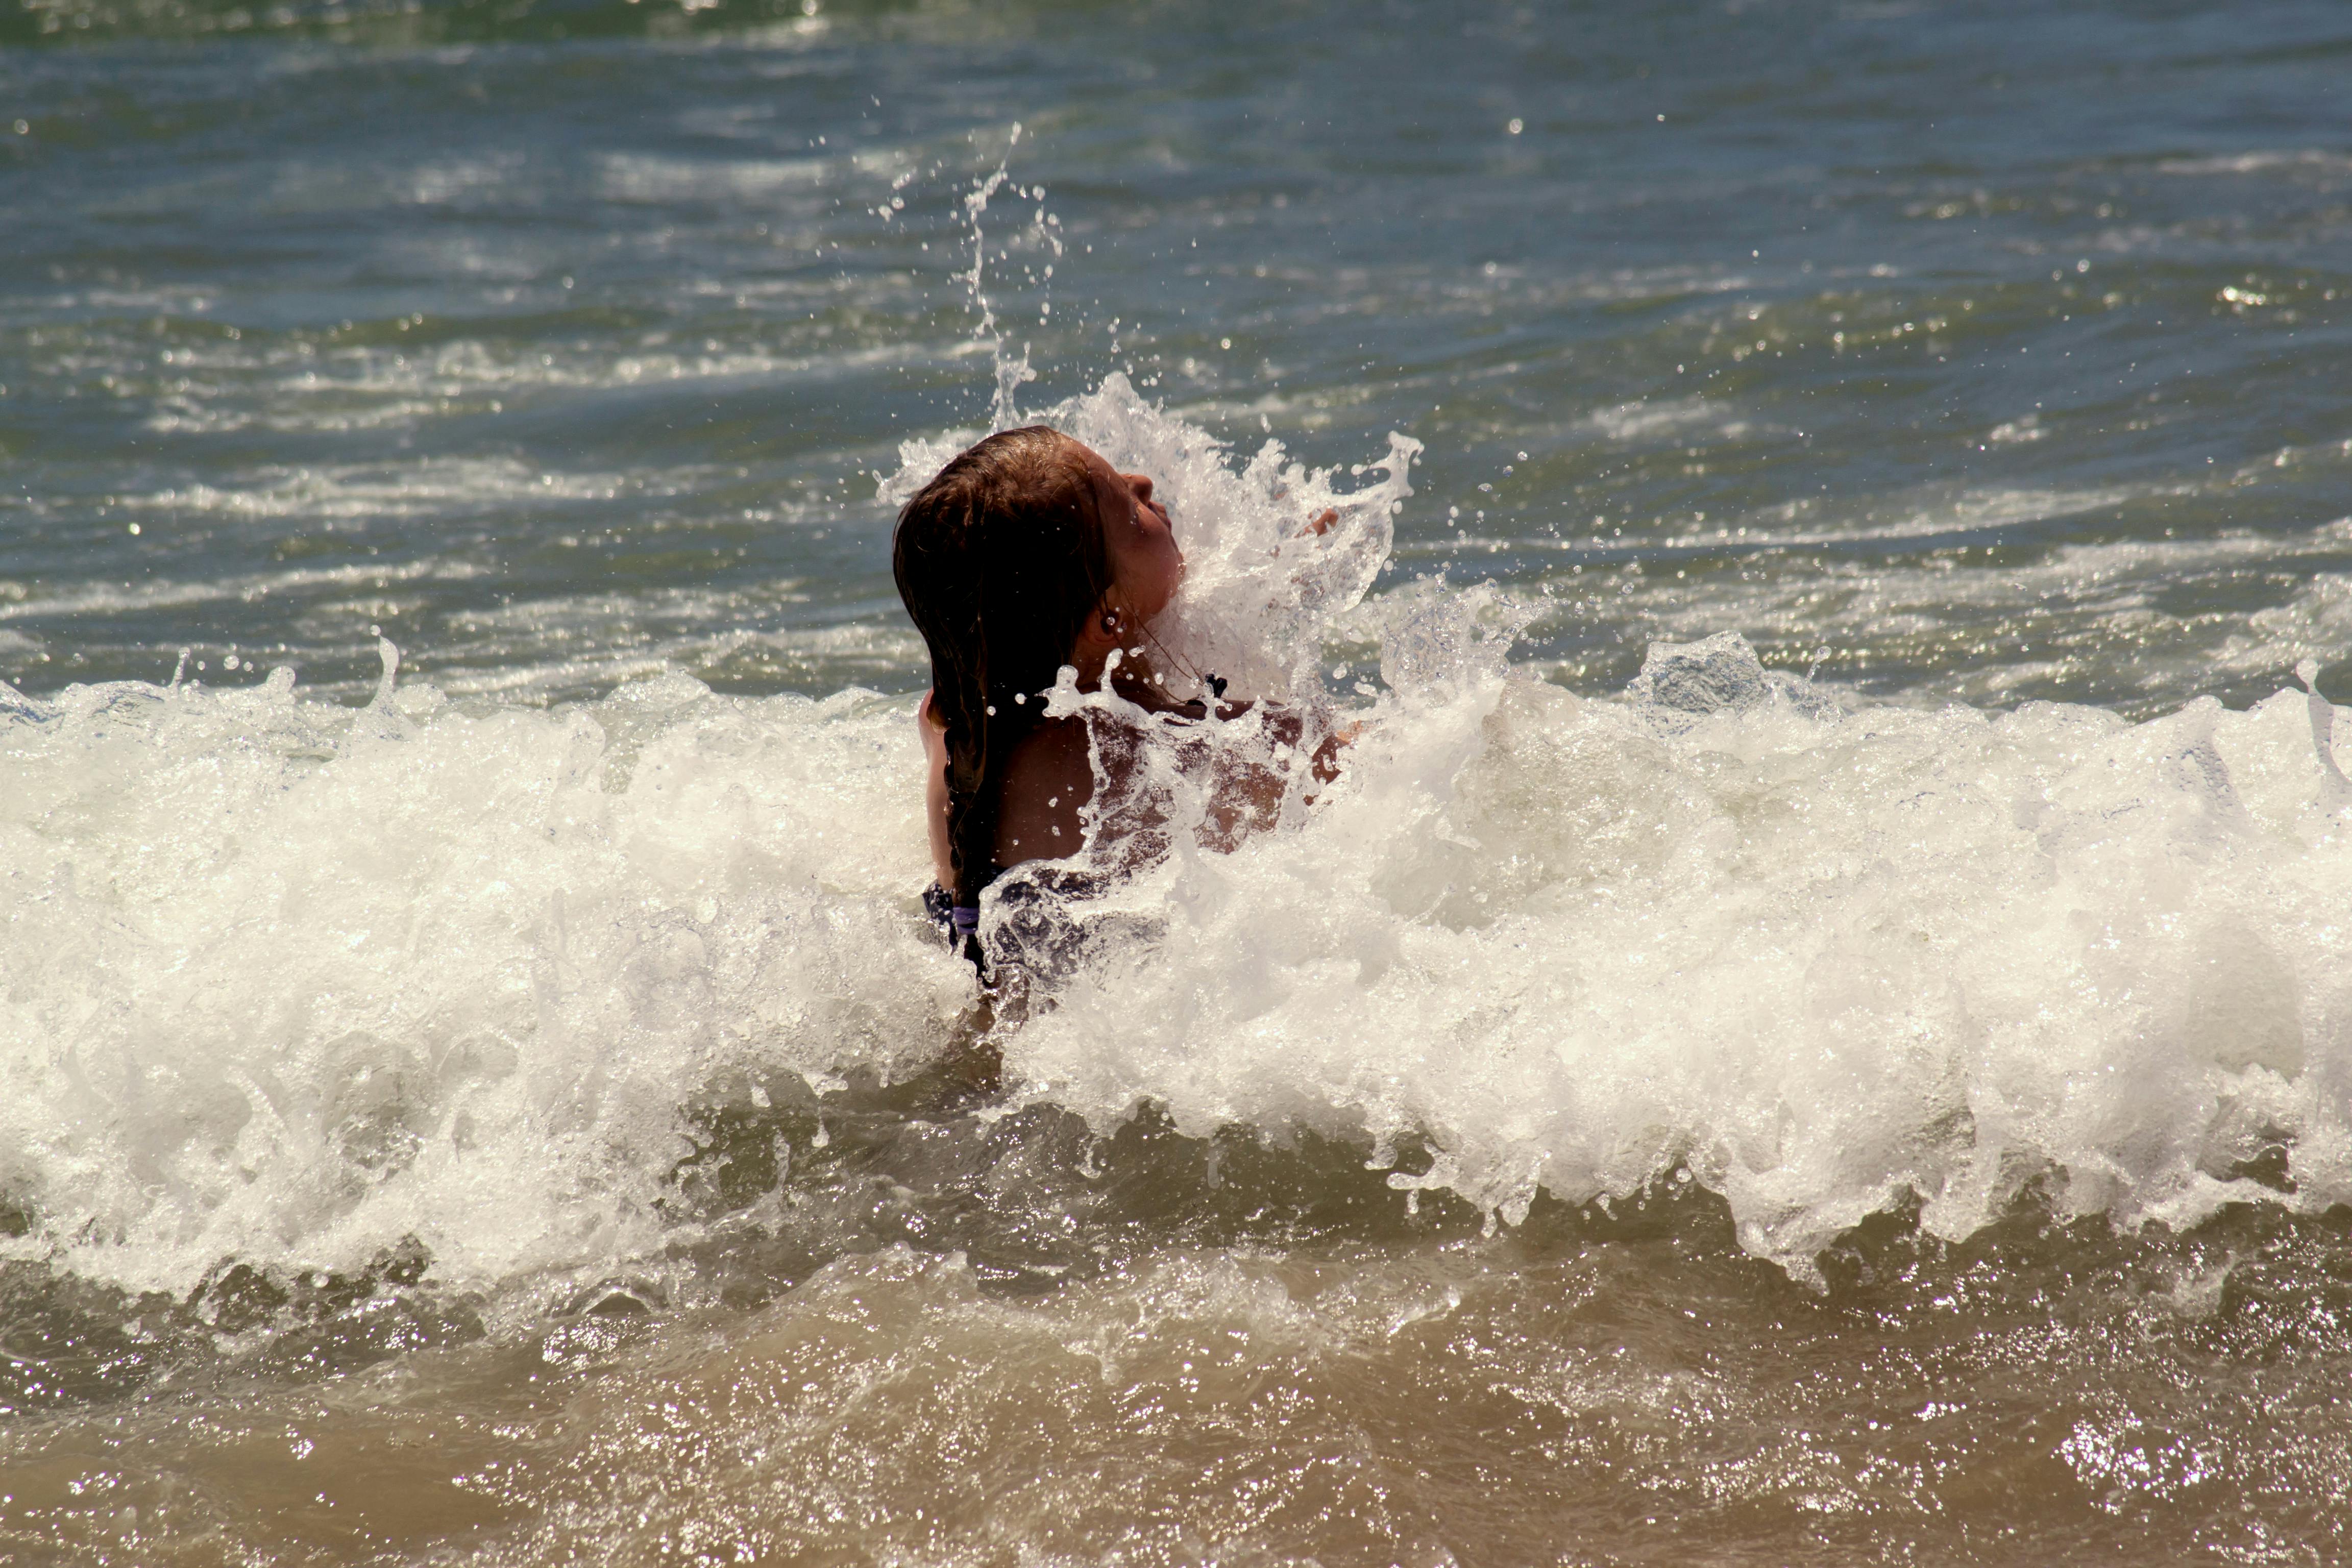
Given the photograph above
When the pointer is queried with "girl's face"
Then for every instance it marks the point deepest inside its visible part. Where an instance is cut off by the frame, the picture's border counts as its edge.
(1145, 564)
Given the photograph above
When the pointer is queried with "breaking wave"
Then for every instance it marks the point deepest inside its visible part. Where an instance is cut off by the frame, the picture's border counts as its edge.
(301, 985)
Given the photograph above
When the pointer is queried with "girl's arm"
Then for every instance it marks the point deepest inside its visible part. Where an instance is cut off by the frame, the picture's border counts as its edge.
(1249, 791)
(935, 790)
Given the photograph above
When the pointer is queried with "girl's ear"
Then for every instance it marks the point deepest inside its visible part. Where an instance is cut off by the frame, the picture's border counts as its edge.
(1105, 629)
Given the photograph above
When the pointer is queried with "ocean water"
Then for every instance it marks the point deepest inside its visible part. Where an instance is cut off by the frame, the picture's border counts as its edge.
(1815, 1026)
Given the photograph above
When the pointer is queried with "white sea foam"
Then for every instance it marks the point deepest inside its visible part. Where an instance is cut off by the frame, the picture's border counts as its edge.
(633, 177)
(290, 983)
(105, 598)
(289, 386)
(1821, 952)
(2323, 161)
(1670, 418)
(1988, 635)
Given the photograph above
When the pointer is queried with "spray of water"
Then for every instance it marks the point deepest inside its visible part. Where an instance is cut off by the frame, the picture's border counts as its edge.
(1043, 233)
(296, 984)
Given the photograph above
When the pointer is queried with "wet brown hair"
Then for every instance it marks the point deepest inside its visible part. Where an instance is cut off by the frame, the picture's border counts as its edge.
(999, 559)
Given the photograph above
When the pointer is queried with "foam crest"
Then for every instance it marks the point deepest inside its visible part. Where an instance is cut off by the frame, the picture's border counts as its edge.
(1819, 953)
(292, 983)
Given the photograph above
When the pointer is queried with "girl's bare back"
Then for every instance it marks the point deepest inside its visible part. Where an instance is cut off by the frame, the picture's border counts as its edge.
(1051, 778)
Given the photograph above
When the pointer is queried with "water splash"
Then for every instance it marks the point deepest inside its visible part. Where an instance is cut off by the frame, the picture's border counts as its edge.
(1011, 371)
(287, 986)
(2336, 790)
(385, 681)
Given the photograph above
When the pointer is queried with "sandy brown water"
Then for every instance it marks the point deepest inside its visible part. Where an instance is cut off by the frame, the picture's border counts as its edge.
(1034, 1346)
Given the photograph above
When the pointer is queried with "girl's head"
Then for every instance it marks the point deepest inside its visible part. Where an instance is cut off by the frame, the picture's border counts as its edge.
(1026, 553)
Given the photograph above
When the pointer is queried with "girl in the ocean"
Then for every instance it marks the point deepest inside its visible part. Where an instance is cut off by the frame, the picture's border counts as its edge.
(1027, 553)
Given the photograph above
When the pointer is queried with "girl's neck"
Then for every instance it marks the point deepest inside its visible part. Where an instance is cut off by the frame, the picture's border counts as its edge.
(1138, 680)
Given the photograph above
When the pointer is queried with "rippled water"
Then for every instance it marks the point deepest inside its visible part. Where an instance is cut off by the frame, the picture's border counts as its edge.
(1871, 1080)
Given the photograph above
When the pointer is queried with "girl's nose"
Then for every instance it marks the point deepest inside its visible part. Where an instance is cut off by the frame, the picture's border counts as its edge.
(1141, 485)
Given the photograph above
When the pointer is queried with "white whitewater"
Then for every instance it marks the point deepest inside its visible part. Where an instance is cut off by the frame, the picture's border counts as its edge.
(289, 982)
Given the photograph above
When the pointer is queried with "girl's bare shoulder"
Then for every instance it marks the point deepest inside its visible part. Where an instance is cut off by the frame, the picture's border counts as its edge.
(1047, 779)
